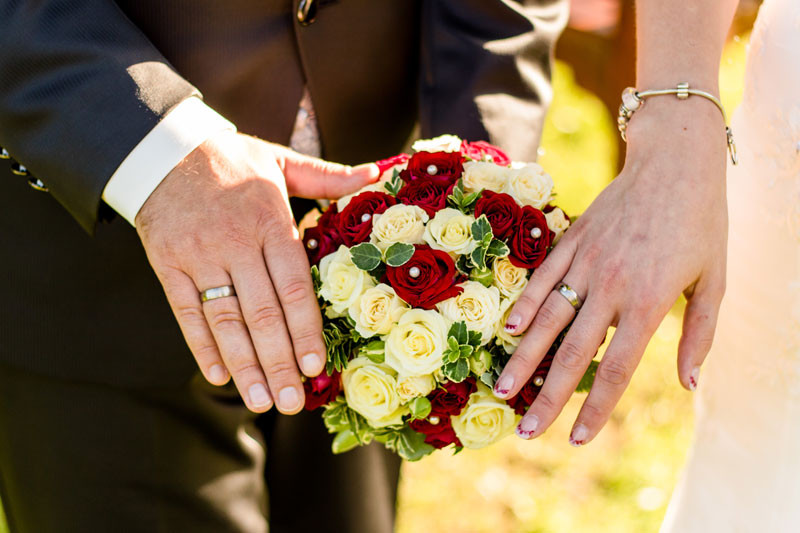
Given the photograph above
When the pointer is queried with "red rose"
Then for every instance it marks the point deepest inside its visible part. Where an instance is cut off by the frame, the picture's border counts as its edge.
(386, 164)
(451, 398)
(321, 390)
(437, 435)
(479, 150)
(501, 210)
(324, 238)
(439, 167)
(530, 390)
(429, 195)
(434, 279)
(529, 246)
(355, 220)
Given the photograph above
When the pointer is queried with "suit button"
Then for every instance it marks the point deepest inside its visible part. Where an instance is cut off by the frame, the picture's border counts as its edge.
(4, 153)
(19, 169)
(37, 184)
(306, 12)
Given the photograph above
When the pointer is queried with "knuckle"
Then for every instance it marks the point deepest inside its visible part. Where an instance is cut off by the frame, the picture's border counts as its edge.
(592, 414)
(592, 252)
(243, 366)
(704, 343)
(189, 314)
(545, 401)
(544, 271)
(570, 356)
(281, 369)
(206, 352)
(265, 317)
(294, 291)
(226, 320)
(305, 336)
(547, 318)
(613, 372)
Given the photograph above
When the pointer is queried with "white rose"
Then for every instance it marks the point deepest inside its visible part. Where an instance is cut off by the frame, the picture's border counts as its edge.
(480, 175)
(399, 223)
(442, 143)
(415, 346)
(378, 186)
(558, 222)
(371, 391)
(450, 230)
(484, 420)
(411, 387)
(477, 306)
(510, 280)
(530, 185)
(342, 281)
(377, 310)
(502, 337)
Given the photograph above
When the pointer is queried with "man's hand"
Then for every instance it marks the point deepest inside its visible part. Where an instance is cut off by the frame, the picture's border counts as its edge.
(222, 217)
(660, 228)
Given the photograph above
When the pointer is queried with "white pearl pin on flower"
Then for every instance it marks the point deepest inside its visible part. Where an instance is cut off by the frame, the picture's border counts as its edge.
(365, 217)
(434, 420)
(312, 244)
(432, 170)
(414, 272)
(538, 381)
(536, 233)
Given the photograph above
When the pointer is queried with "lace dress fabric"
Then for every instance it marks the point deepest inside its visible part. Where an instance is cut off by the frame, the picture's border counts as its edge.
(743, 470)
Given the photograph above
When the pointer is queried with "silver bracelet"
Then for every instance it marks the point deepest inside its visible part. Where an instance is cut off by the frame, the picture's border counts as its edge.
(632, 100)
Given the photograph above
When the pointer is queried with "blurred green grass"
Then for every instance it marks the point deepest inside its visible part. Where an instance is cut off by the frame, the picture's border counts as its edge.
(622, 481)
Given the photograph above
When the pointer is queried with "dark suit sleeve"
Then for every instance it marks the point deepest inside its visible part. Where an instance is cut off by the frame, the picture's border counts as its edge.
(486, 69)
(80, 86)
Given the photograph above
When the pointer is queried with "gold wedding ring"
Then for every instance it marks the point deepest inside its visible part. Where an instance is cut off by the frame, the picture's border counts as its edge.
(217, 292)
(569, 293)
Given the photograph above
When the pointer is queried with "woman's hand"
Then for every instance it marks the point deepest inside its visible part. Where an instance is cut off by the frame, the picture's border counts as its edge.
(658, 230)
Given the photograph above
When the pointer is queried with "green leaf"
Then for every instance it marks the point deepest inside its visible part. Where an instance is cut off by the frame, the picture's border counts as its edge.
(378, 272)
(344, 441)
(399, 254)
(420, 407)
(394, 185)
(466, 351)
(475, 338)
(483, 276)
(481, 228)
(470, 199)
(453, 355)
(375, 351)
(478, 257)
(411, 445)
(459, 332)
(340, 341)
(498, 248)
(464, 265)
(457, 371)
(366, 256)
(488, 379)
(315, 277)
(588, 378)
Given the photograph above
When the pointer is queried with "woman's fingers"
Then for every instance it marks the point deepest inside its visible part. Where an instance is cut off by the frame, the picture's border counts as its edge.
(569, 365)
(541, 284)
(699, 323)
(613, 375)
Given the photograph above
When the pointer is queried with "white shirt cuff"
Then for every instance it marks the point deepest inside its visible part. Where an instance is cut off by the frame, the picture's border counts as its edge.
(187, 126)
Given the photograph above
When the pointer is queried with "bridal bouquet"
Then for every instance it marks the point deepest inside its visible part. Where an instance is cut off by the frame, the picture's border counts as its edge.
(416, 275)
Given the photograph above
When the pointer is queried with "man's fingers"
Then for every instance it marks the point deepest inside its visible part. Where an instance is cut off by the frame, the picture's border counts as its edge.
(184, 299)
(225, 319)
(541, 284)
(569, 364)
(265, 322)
(613, 375)
(309, 177)
(552, 317)
(289, 269)
(699, 323)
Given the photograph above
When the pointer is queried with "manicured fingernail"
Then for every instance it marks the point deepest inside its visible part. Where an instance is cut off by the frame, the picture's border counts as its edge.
(503, 385)
(310, 363)
(513, 321)
(217, 374)
(259, 397)
(693, 377)
(579, 435)
(527, 426)
(288, 398)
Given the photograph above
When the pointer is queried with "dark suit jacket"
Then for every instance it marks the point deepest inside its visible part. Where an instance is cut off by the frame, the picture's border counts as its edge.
(82, 81)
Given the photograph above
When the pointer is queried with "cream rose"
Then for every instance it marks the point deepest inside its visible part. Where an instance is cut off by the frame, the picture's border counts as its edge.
(377, 310)
(477, 306)
(415, 346)
(510, 280)
(411, 387)
(399, 223)
(479, 175)
(342, 281)
(371, 390)
(502, 337)
(442, 143)
(450, 230)
(484, 420)
(558, 222)
(530, 185)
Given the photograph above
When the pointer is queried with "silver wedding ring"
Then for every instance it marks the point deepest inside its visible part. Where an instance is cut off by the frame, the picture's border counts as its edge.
(569, 293)
(217, 292)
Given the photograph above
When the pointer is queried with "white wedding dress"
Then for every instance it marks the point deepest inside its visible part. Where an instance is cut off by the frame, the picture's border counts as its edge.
(743, 470)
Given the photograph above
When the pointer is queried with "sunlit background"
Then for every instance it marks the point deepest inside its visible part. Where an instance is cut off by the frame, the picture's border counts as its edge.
(622, 481)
